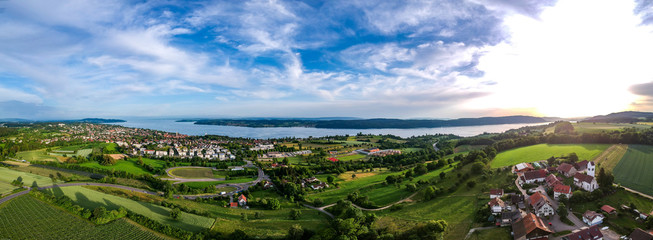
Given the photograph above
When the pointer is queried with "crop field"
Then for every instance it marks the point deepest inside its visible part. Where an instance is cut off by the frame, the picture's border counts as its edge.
(599, 127)
(29, 218)
(8, 175)
(129, 166)
(611, 156)
(540, 152)
(91, 199)
(36, 155)
(635, 170)
(194, 172)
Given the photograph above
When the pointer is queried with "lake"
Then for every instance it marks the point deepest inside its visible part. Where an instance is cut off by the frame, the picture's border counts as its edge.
(189, 128)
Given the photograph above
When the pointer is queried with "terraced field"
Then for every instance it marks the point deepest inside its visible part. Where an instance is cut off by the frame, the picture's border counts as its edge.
(29, 218)
(91, 199)
(635, 169)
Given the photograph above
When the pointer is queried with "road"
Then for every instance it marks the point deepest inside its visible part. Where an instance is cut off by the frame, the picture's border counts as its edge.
(12, 196)
(101, 185)
(634, 191)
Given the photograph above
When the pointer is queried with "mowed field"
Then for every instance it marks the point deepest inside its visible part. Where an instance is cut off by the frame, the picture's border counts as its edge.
(36, 155)
(192, 172)
(540, 152)
(635, 170)
(91, 199)
(28, 218)
(611, 156)
(129, 166)
(8, 175)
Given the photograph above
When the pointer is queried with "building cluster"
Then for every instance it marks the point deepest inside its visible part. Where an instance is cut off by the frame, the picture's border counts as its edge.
(269, 156)
(314, 183)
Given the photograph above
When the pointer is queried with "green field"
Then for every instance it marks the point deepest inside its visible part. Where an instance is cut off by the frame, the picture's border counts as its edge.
(599, 127)
(192, 172)
(28, 218)
(6, 188)
(129, 166)
(350, 157)
(635, 170)
(499, 233)
(91, 199)
(8, 175)
(541, 152)
(35, 155)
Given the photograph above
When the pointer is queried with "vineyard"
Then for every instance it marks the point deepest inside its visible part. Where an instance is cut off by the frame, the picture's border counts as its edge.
(91, 199)
(29, 218)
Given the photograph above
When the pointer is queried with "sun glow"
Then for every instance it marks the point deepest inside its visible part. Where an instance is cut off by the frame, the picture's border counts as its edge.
(578, 59)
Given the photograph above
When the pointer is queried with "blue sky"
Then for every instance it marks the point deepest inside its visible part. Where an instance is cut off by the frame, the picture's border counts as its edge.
(404, 59)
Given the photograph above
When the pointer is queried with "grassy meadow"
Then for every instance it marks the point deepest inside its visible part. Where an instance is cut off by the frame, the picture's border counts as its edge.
(129, 166)
(611, 156)
(192, 172)
(635, 170)
(28, 218)
(540, 152)
(8, 175)
(91, 199)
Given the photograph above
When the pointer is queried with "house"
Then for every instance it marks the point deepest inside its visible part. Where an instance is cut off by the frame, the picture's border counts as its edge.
(592, 218)
(518, 199)
(530, 227)
(496, 193)
(267, 184)
(233, 204)
(552, 180)
(496, 205)
(508, 218)
(567, 169)
(608, 209)
(586, 182)
(640, 234)
(534, 176)
(591, 233)
(319, 186)
(561, 189)
(522, 167)
(541, 205)
(242, 200)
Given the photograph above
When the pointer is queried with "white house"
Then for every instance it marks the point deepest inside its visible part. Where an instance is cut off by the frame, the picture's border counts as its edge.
(242, 200)
(534, 176)
(496, 193)
(586, 182)
(561, 189)
(541, 205)
(496, 205)
(592, 218)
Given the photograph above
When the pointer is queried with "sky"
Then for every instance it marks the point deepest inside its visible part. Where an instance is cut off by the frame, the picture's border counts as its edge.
(338, 58)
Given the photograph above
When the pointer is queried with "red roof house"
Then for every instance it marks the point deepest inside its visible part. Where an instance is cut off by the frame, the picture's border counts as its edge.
(333, 159)
(608, 209)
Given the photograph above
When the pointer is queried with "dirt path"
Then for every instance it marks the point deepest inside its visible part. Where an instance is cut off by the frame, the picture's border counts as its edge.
(636, 192)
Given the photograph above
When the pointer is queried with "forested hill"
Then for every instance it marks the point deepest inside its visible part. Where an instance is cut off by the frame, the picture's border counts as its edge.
(622, 117)
(371, 123)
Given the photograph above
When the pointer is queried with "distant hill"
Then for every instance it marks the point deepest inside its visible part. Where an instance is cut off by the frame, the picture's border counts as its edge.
(622, 117)
(370, 123)
(98, 120)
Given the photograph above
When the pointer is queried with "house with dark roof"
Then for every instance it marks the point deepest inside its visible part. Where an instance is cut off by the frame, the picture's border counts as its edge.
(534, 176)
(530, 227)
(507, 218)
(591, 233)
(561, 189)
(640, 234)
(592, 218)
(552, 180)
(567, 169)
(518, 200)
(496, 193)
(586, 182)
(541, 205)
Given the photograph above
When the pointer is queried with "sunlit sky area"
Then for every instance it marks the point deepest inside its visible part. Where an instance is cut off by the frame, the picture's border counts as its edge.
(399, 59)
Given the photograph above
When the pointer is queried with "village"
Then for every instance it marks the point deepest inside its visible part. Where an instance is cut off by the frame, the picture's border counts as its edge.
(535, 211)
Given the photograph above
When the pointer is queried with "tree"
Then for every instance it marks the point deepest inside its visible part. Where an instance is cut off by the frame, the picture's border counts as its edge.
(564, 127)
(330, 179)
(478, 167)
(435, 229)
(551, 160)
(471, 184)
(442, 175)
(140, 160)
(605, 179)
(411, 187)
(318, 202)
(35, 185)
(295, 232)
(562, 210)
(60, 176)
(175, 213)
(273, 204)
(54, 180)
(295, 214)
(573, 157)
(429, 193)
(353, 175)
